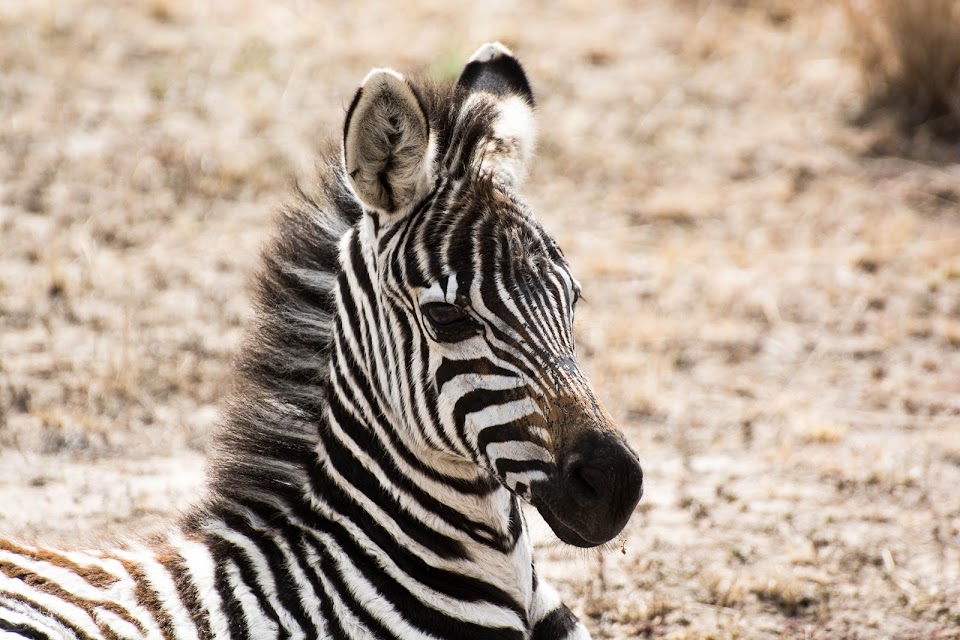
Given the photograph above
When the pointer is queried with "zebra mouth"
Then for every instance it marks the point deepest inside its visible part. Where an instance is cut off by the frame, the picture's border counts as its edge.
(564, 532)
(582, 526)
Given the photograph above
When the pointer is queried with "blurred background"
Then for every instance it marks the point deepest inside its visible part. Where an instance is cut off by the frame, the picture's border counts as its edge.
(760, 198)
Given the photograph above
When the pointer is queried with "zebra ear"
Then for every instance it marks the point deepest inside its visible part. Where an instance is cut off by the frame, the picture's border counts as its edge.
(387, 152)
(494, 71)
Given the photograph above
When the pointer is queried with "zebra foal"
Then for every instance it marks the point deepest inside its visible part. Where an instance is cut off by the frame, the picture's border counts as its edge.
(409, 377)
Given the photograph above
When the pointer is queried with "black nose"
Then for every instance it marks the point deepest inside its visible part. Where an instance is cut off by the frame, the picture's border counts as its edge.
(604, 481)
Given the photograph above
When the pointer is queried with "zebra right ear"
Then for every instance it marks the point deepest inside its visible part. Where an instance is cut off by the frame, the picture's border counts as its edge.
(387, 151)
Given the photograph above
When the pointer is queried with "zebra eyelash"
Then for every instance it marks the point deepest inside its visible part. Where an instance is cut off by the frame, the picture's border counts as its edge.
(576, 297)
(463, 327)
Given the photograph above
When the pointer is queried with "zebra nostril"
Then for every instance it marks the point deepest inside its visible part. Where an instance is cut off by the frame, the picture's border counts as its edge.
(586, 480)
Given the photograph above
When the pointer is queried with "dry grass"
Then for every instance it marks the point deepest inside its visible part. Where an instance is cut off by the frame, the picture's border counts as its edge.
(771, 312)
(909, 53)
(789, 594)
(823, 432)
(724, 588)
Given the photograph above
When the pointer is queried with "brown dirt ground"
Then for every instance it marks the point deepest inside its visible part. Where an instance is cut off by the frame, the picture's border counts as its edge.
(772, 292)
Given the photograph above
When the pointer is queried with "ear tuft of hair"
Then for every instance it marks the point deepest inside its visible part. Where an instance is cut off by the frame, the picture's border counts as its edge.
(494, 69)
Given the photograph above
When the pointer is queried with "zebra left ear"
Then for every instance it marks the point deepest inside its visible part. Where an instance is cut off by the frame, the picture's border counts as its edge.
(493, 71)
(387, 151)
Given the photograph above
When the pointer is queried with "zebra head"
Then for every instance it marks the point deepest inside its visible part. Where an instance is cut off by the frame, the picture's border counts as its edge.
(476, 300)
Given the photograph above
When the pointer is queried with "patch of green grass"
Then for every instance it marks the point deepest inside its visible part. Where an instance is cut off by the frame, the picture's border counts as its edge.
(448, 65)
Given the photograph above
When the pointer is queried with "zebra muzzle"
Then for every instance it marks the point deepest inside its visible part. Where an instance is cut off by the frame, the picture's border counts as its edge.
(595, 490)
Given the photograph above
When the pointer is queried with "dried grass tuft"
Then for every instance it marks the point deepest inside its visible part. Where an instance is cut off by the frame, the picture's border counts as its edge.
(787, 593)
(824, 432)
(909, 54)
(724, 589)
(160, 10)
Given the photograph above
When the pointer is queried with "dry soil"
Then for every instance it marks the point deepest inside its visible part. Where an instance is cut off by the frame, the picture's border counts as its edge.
(772, 289)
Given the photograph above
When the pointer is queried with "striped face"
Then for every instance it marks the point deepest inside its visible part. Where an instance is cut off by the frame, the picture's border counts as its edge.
(478, 299)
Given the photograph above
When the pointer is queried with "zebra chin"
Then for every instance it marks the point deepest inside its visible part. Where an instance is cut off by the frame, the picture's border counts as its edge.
(590, 498)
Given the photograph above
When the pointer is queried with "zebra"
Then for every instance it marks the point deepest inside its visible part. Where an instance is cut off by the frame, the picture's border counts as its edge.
(408, 379)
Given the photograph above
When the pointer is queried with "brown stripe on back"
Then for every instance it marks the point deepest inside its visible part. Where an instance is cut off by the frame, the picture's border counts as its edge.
(30, 604)
(173, 562)
(31, 631)
(40, 583)
(148, 598)
(54, 589)
(94, 575)
(108, 633)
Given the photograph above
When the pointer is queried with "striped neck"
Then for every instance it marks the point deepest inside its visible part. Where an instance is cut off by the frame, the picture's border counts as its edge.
(372, 447)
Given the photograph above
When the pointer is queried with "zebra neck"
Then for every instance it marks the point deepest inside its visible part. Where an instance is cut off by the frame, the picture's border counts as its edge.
(368, 463)
(375, 468)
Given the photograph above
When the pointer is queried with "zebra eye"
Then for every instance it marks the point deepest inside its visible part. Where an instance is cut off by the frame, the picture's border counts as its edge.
(441, 314)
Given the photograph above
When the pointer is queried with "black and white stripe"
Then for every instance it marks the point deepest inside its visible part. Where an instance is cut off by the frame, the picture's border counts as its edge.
(410, 376)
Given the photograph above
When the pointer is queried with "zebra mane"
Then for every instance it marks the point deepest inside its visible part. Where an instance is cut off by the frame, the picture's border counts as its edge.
(269, 426)
(270, 419)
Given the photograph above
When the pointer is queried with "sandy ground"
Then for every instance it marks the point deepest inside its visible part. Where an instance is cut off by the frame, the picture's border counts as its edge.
(772, 292)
